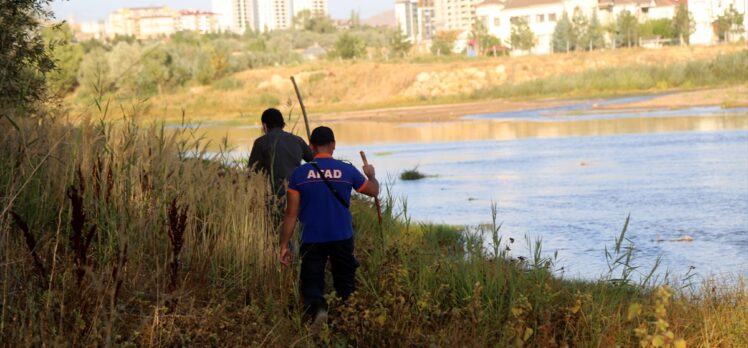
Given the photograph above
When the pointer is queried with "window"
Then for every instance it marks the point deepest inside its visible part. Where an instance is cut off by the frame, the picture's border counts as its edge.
(540, 18)
(551, 17)
(496, 21)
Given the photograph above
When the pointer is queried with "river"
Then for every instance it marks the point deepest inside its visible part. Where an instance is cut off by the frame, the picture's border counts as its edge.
(570, 176)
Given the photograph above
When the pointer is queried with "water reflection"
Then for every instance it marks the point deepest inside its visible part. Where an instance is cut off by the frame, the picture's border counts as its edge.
(367, 132)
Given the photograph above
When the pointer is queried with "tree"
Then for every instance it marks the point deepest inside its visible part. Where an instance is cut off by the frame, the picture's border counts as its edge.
(731, 22)
(219, 60)
(355, 19)
(661, 28)
(203, 72)
(349, 47)
(67, 56)
(94, 72)
(580, 25)
(122, 38)
(186, 37)
(158, 72)
(626, 29)
(521, 37)
(595, 33)
(24, 59)
(319, 23)
(486, 41)
(91, 44)
(563, 35)
(443, 43)
(683, 24)
(399, 43)
(124, 67)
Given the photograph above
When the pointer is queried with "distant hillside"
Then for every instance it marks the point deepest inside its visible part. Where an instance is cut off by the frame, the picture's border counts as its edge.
(358, 85)
(385, 19)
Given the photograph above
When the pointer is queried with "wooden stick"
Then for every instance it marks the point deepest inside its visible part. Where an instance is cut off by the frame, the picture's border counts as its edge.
(376, 199)
(303, 111)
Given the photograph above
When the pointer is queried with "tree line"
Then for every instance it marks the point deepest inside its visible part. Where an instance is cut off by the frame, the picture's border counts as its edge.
(580, 32)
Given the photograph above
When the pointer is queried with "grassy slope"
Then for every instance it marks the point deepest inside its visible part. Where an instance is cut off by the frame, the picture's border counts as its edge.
(181, 253)
(344, 85)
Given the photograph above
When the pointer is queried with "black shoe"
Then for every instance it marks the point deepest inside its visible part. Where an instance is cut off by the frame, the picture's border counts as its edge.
(319, 321)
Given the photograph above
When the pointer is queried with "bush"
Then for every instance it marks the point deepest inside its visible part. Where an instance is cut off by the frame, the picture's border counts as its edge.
(412, 174)
(349, 47)
(228, 84)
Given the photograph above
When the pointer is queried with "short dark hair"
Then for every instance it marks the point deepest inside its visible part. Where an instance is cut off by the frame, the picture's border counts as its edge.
(273, 118)
(322, 136)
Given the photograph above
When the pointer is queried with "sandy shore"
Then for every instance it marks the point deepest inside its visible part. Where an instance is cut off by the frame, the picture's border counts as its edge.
(729, 97)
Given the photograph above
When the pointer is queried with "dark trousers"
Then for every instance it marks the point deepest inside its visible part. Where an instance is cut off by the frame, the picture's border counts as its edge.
(313, 261)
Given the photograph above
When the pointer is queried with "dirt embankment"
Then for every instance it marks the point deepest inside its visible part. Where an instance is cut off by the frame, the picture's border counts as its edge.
(333, 87)
(727, 97)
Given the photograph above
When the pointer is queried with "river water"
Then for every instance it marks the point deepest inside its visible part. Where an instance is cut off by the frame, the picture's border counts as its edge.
(570, 176)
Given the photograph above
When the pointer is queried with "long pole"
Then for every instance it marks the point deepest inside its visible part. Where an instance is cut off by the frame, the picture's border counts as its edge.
(309, 136)
(303, 110)
(376, 199)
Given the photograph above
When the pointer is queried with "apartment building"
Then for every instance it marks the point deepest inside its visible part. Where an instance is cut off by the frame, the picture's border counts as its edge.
(416, 19)
(199, 21)
(153, 22)
(317, 7)
(706, 12)
(235, 15)
(262, 15)
(455, 14)
(406, 15)
(541, 15)
(273, 14)
(89, 30)
(144, 22)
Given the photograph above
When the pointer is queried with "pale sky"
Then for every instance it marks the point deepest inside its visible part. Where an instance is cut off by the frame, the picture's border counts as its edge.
(87, 10)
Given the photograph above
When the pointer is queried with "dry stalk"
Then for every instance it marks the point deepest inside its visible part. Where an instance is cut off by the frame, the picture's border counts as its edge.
(80, 240)
(118, 269)
(31, 244)
(177, 225)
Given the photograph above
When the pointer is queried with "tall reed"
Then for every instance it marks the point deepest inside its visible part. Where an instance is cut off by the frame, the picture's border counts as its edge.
(115, 233)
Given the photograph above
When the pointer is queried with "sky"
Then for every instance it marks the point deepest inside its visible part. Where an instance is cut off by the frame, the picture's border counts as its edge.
(88, 10)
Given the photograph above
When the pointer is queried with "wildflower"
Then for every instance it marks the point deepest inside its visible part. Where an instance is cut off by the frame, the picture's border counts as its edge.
(634, 310)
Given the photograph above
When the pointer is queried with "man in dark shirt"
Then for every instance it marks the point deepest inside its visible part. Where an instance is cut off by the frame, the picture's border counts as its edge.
(277, 153)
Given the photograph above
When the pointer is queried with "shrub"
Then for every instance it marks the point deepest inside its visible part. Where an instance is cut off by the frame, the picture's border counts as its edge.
(412, 174)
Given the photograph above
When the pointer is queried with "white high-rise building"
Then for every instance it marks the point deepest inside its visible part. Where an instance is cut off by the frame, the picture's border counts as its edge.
(222, 8)
(317, 7)
(273, 14)
(235, 15)
(261, 15)
(415, 19)
(455, 14)
(426, 20)
(406, 14)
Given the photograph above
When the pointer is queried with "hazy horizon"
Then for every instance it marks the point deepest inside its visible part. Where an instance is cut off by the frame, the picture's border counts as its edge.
(90, 10)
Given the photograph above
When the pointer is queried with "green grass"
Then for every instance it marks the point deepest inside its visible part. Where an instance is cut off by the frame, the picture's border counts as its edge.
(118, 236)
(729, 69)
(384, 153)
(228, 84)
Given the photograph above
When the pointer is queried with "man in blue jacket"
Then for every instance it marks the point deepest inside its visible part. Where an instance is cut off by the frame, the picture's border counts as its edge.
(319, 195)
